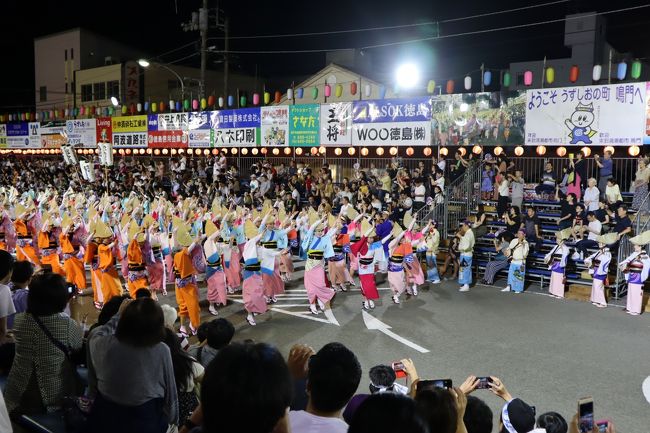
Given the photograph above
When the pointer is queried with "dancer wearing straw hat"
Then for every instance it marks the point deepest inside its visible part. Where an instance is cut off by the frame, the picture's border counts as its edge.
(48, 245)
(598, 264)
(636, 267)
(187, 292)
(107, 253)
(72, 254)
(556, 261)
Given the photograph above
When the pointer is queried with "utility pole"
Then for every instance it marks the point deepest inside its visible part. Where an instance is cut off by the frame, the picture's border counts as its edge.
(226, 47)
(203, 28)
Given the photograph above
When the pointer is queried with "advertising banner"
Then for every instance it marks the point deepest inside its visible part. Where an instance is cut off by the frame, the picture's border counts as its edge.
(53, 134)
(606, 115)
(129, 131)
(167, 139)
(24, 135)
(304, 125)
(235, 127)
(104, 130)
(405, 122)
(3, 136)
(275, 125)
(81, 132)
(168, 122)
(336, 124)
(199, 129)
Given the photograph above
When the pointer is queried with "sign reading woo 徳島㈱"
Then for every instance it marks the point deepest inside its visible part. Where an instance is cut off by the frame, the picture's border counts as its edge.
(129, 131)
(235, 127)
(396, 122)
(607, 115)
(304, 129)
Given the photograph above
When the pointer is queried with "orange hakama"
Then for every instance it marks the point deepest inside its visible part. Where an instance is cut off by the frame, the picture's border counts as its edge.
(75, 272)
(24, 248)
(110, 279)
(50, 252)
(187, 292)
(137, 272)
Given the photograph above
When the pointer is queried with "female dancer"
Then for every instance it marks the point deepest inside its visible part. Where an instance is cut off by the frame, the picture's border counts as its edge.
(413, 269)
(399, 249)
(106, 251)
(598, 264)
(214, 273)
(318, 247)
(636, 268)
(252, 286)
(72, 255)
(156, 266)
(270, 260)
(369, 253)
(137, 271)
(187, 292)
(230, 229)
(48, 245)
(556, 260)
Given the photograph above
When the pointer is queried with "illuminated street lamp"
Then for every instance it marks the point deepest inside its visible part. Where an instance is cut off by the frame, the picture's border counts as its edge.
(146, 63)
(407, 76)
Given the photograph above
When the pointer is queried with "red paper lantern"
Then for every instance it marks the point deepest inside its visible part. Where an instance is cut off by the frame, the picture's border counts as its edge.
(161, 106)
(450, 86)
(353, 88)
(211, 100)
(573, 73)
(132, 108)
(278, 96)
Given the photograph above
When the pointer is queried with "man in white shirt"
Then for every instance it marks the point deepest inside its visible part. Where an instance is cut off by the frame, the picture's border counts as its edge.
(466, 248)
(419, 193)
(593, 228)
(332, 379)
(517, 251)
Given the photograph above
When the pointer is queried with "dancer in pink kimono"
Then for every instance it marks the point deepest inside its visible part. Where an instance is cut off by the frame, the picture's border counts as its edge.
(598, 264)
(214, 273)
(368, 252)
(252, 286)
(270, 259)
(230, 231)
(556, 260)
(155, 260)
(636, 268)
(412, 268)
(318, 247)
(400, 251)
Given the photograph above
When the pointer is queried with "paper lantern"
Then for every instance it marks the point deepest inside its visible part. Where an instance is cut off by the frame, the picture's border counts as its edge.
(322, 150)
(314, 151)
(211, 100)
(178, 106)
(561, 151)
(427, 151)
(22, 116)
(634, 150)
(351, 151)
(138, 107)
(367, 91)
(186, 104)
(172, 106)
(528, 78)
(221, 101)
(314, 92)
(146, 106)
(154, 107)
(574, 72)
(299, 151)
(263, 150)
(173, 151)
(278, 96)
(82, 110)
(540, 150)
(380, 151)
(231, 100)
(191, 151)
(338, 90)
(353, 88)
(110, 110)
(364, 151)
(410, 151)
(195, 104)
(609, 149)
(267, 98)
(287, 151)
(476, 150)
(487, 78)
(507, 79)
(431, 86)
(27, 116)
(66, 112)
(621, 71)
(256, 99)
(519, 150)
(468, 82)
(36, 116)
(450, 86)
(586, 151)
(124, 109)
(550, 75)
(382, 92)
(328, 90)
(206, 152)
(204, 103)
(596, 73)
(233, 151)
(462, 151)
(635, 72)
(392, 151)
(289, 93)
(242, 101)
(498, 150)
(338, 151)
(443, 151)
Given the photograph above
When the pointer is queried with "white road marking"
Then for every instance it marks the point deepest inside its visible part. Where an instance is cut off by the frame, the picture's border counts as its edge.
(646, 388)
(309, 316)
(372, 323)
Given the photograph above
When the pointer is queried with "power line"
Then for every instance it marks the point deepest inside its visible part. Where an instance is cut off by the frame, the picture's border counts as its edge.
(404, 26)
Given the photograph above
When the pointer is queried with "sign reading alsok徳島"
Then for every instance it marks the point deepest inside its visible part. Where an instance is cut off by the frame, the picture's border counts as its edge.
(607, 115)
(336, 124)
(405, 122)
(235, 127)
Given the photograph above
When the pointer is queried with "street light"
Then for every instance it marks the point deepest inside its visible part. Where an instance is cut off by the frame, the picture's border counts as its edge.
(114, 101)
(146, 63)
(407, 76)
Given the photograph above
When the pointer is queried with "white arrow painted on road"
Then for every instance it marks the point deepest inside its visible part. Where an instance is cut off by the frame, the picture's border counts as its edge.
(304, 315)
(374, 324)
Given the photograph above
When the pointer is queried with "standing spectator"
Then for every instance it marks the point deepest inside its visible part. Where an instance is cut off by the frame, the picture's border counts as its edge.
(531, 225)
(419, 193)
(517, 186)
(22, 275)
(504, 195)
(547, 183)
(578, 176)
(7, 308)
(639, 202)
(518, 252)
(466, 247)
(591, 196)
(606, 166)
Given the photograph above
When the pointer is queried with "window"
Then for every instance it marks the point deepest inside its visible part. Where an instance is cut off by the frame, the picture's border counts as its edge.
(86, 92)
(113, 89)
(43, 93)
(99, 91)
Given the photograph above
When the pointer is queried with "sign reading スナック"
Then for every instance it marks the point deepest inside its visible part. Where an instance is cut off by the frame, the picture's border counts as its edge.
(81, 132)
(53, 134)
(235, 127)
(304, 128)
(3, 136)
(167, 130)
(405, 122)
(275, 125)
(199, 129)
(607, 115)
(336, 124)
(129, 131)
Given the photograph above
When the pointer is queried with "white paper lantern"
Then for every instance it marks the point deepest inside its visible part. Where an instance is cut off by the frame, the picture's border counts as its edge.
(367, 90)
(598, 70)
(468, 82)
(290, 94)
(139, 107)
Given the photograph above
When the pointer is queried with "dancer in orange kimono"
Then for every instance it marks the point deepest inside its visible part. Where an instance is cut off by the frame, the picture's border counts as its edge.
(73, 266)
(137, 275)
(91, 258)
(110, 279)
(48, 245)
(24, 244)
(187, 292)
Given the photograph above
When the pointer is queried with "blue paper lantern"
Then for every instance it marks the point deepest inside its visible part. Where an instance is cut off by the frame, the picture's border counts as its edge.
(146, 106)
(621, 71)
(231, 100)
(487, 78)
(300, 92)
(178, 105)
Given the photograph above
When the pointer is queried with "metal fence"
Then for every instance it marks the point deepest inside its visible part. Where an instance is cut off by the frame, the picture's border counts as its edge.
(625, 247)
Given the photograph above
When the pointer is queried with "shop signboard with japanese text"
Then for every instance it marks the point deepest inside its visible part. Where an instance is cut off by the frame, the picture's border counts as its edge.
(275, 125)
(104, 130)
(24, 135)
(199, 129)
(405, 122)
(81, 132)
(606, 115)
(53, 134)
(3, 136)
(167, 130)
(129, 131)
(235, 127)
(336, 124)
(304, 125)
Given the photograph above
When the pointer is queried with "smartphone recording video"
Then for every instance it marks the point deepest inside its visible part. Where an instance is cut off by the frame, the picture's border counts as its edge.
(586, 415)
(427, 385)
(400, 371)
(484, 382)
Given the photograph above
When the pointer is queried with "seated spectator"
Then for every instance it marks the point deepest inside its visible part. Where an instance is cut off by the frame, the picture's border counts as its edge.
(333, 376)
(143, 293)
(613, 194)
(7, 311)
(591, 196)
(593, 229)
(499, 262)
(42, 374)
(253, 397)
(622, 223)
(387, 413)
(568, 211)
(512, 218)
(170, 314)
(130, 349)
(547, 183)
(109, 310)
(602, 214)
(219, 333)
(188, 375)
(19, 285)
(479, 227)
(552, 422)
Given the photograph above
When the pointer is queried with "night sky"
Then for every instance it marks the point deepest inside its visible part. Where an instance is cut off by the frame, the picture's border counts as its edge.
(154, 26)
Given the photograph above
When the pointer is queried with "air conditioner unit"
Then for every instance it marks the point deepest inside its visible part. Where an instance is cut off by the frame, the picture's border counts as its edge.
(108, 61)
